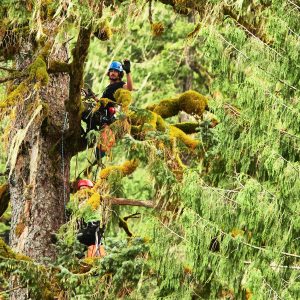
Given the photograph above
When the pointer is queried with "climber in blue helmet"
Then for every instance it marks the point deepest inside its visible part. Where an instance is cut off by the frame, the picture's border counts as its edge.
(115, 74)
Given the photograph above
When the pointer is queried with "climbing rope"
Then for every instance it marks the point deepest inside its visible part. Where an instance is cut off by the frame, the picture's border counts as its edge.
(65, 127)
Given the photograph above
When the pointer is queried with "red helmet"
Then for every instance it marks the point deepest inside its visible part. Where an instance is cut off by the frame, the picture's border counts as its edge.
(84, 183)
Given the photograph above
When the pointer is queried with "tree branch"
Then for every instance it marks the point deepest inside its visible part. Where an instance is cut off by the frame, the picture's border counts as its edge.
(2, 80)
(7, 69)
(249, 27)
(130, 202)
(59, 67)
(77, 67)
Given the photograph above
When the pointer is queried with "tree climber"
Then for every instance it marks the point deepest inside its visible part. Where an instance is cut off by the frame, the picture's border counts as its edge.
(105, 114)
(115, 74)
(91, 234)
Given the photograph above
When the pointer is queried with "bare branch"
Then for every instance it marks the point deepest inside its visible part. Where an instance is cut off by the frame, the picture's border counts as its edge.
(130, 202)
(7, 69)
(5, 79)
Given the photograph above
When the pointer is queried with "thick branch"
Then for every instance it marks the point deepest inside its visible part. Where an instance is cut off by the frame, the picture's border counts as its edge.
(59, 67)
(77, 67)
(130, 202)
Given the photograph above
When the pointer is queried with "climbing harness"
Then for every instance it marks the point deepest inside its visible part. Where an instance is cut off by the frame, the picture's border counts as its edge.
(65, 127)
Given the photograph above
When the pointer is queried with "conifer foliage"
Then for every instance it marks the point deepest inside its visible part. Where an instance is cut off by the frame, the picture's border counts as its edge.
(209, 207)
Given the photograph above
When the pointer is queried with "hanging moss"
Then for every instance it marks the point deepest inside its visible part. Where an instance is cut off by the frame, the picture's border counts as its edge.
(103, 31)
(157, 29)
(94, 201)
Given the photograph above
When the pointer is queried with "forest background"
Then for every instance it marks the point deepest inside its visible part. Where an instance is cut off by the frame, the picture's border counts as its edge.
(229, 224)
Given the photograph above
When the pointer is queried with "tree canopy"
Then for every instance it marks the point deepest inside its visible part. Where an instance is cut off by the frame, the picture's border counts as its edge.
(205, 208)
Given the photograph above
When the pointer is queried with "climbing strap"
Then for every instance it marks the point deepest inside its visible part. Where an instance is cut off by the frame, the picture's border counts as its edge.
(65, 127)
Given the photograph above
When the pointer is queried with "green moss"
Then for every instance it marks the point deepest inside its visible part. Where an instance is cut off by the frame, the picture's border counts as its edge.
(103, 31)
(192, 103)
(187, 140)
(16, 95)
(38, 71)
(123, 97)
(166, 108)
(7, 252)
(187, 127)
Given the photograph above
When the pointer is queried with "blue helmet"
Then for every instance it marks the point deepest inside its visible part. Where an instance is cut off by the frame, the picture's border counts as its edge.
(116, 65)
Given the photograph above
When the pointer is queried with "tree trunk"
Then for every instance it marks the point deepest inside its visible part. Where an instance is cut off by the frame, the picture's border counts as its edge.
(37, 184)
(38, 178)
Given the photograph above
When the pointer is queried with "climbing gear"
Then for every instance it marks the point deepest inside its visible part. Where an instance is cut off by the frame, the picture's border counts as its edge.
(96, 119)
(126, 66)
(90, 233)
(111, 111)
(84, 183)
(106, 139)
(116, 65)
(65, 127)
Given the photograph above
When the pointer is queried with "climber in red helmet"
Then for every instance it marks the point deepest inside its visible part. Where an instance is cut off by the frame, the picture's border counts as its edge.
(91, 233)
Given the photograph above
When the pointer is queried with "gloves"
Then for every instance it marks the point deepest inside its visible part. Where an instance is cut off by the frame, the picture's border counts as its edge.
(126, 66)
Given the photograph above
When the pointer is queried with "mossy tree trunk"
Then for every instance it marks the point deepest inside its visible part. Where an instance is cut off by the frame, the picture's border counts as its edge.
(39, 176)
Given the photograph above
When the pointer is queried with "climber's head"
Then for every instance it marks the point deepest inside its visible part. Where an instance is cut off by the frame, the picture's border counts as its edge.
(84, 184)
(115, 71)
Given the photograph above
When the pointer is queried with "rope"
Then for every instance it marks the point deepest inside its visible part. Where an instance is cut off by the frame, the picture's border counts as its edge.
(65, 127)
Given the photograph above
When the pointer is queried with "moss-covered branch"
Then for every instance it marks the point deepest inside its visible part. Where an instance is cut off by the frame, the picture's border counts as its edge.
(59, 67)
(250, 28)
(77, 67)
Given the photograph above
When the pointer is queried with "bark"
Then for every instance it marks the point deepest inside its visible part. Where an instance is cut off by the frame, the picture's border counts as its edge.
(36, 184)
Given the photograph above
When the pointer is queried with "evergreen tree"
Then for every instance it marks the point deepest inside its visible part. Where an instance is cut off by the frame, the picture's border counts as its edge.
(224, 222)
